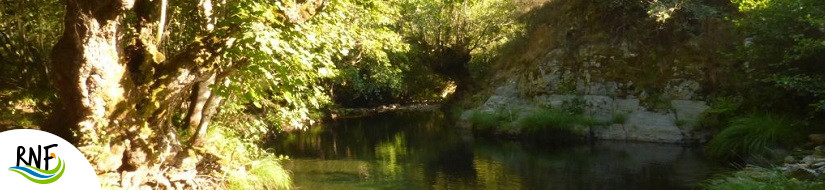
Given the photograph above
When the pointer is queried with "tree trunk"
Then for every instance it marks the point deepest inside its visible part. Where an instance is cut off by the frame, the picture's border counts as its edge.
(210, 107)
(86, 72)
(120, 136)
(200, 94)
(117, 109)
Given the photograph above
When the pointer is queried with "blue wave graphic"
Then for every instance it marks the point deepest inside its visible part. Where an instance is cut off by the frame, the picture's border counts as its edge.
(31, 172)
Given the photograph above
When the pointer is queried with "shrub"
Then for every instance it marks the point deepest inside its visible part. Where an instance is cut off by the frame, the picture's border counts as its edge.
(753, 134)
(720, 111)
(784, 47)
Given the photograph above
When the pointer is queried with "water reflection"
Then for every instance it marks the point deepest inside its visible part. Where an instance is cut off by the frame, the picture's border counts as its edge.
(420, 150)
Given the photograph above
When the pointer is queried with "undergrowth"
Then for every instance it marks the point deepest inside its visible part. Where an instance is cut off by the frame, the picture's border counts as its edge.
(753, 134)
(543, 121)
(547, 122)
(756, 178)
(243, 163)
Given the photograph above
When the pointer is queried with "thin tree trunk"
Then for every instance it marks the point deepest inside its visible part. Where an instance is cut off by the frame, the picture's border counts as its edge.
(209, 110)
(200, 94)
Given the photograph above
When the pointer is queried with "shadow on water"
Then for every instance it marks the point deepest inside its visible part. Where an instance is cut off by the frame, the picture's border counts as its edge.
(421, 150)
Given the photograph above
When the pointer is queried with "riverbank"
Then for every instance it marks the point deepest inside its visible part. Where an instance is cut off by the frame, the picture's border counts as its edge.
(803, 169)
(338, 113)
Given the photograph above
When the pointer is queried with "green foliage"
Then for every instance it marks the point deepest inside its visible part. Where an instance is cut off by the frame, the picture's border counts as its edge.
(756, 178)
(242, 163)
(27, 32)
(720, 111)
(289, 64)
(573, 106)
(724, 105)
(619, 118)
(474, 25)
(265, 173)
(373, 69)
(399, 46)
(784, 46)
(546, 120)
(680, 123)
(754, 134)
(543, 123)
(452, 34)
(488, 120)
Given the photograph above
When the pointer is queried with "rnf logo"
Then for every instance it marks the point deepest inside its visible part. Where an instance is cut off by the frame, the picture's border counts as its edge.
(32, 169)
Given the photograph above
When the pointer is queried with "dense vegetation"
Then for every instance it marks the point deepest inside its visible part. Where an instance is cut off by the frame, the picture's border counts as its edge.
(202, 83)
(177, 88)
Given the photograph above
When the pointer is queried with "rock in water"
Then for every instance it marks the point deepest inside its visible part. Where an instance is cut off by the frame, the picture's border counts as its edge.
(817, 139)
(801, 173)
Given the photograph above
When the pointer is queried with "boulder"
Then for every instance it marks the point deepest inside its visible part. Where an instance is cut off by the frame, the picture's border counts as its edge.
(817, 139)
(599, 107)
(626, 105)
(799, 172)
(688, 111)
(653, 127)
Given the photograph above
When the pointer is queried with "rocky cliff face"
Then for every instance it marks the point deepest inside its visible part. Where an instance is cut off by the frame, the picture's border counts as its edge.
(653, 76)
(674, 123)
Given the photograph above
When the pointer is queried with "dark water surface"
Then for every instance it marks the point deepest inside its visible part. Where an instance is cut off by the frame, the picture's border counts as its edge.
(421, 150)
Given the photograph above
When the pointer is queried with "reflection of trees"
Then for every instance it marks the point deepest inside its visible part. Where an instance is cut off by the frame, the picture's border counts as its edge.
(418, 149)
(388, 154)
(491, 174)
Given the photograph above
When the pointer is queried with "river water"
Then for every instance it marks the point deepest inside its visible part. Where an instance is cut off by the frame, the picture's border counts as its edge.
(422, 150)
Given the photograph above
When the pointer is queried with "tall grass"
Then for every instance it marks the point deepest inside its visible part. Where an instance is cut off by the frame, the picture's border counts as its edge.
(265, 173)
(491, 120)
(555, 120)
(558, 125)
(752, 178)
(243, 164)
(754, 134)
(620, 118)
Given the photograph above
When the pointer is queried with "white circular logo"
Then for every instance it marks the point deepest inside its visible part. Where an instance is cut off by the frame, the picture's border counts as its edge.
(35, 159)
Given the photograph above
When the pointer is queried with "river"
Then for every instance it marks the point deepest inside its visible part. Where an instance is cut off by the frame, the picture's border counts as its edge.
(422, 150)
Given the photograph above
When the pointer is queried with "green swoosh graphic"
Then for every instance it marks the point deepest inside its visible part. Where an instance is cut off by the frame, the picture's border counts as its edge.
(48, 180)
(52, 171)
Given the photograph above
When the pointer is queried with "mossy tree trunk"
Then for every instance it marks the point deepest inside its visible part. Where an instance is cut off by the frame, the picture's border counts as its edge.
(119, 108)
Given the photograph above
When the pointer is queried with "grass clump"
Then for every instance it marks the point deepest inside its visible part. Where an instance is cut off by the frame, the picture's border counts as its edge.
(721, 110)
(492, 119)
(754, 134)
(240, 163)
(619, 118)
(754, 178)
(555, 120)
(680, 123)
(557, 124)
(485, 120)
(265, 173)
